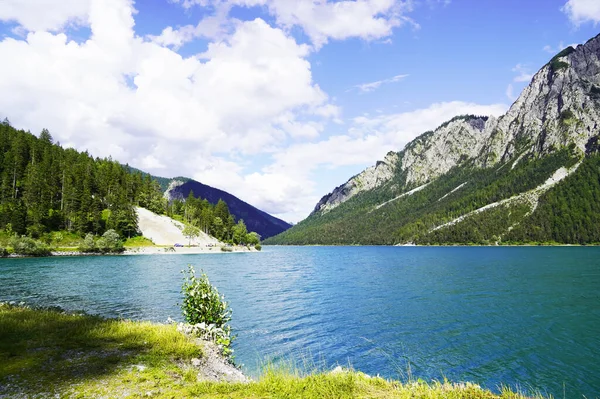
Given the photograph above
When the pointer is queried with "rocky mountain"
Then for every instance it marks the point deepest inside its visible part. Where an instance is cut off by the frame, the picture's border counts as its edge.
(255, 219)
(479, 179)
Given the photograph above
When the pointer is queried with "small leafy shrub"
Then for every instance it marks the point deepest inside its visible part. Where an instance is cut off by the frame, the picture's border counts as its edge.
(566, 114)
(258, 247)
(206, 311)
(88, 245)
(29, 247)
(110, 242)
(226, 249)
(3, 252)
(556, 64)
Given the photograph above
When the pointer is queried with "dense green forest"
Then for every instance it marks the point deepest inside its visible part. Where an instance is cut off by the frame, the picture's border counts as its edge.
(45, 188)
(567, 213)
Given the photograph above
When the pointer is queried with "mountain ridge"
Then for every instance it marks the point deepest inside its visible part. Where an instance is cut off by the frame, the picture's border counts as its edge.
(257, 220)
(553, 124)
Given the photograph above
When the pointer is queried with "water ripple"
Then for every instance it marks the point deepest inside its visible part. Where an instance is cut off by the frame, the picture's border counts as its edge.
(519, 316)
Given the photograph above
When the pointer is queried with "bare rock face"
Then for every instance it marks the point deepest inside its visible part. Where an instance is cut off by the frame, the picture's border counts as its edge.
(434, 154)
(560, 108)
(369, 179)
(169, 193)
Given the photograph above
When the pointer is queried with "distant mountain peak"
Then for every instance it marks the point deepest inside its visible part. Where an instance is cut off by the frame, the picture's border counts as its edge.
(256, 220)
(551, 127)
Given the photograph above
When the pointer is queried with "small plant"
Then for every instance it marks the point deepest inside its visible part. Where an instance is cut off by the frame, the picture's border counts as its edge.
(258, 247)
(3, 252)
(88, 245)
(110, 242)
(29, 247)
(566, 115)
(206, 311)
(556, 64)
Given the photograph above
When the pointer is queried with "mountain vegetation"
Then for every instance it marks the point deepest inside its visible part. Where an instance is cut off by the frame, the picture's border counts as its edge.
(200, 215)
(45, 189)
(256, 220)
(529, 176)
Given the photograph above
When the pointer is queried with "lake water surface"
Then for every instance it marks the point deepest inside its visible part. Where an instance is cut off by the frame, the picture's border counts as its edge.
(520, 316)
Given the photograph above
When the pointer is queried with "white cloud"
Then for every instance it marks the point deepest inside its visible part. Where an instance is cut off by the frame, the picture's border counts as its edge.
(216, 27)
(144, 104)
(582, 11)
(322, 20)
(510, 92)
(523, 73)
(367, 87)
(44, 15)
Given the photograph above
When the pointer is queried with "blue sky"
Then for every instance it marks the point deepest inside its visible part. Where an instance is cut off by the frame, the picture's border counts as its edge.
(275, 101)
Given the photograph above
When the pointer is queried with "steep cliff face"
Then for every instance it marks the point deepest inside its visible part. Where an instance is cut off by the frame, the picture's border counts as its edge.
(370, 178)
(478, 179)
(557, 109)
(560, 107)
(450, 145)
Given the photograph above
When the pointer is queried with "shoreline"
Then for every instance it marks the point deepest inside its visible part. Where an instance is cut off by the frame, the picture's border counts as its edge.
(146, 251)
(186, 250)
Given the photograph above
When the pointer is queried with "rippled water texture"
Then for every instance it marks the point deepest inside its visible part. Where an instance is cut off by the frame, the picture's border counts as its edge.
(519, 316)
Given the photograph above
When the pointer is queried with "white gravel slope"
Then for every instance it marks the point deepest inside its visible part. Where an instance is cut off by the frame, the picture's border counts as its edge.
(163, 230)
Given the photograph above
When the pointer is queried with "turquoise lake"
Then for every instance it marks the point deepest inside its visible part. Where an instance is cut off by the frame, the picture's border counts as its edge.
(526, 317)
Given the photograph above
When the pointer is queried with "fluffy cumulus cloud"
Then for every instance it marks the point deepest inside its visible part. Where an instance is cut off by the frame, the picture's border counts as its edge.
(582, 11)
(321, 20)
(45, 14)
(117, 94)
(245, 116)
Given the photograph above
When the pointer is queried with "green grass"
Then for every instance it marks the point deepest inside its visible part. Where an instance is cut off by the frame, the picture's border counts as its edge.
(47, 353)
(138, 241)
(278, 383)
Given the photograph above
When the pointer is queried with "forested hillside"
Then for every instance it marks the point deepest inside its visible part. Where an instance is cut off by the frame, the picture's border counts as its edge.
(46, 188)
(530, 176)
(368, 218)
(261, 222)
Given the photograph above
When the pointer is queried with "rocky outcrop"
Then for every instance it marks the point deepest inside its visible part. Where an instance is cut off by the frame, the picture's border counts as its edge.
(560, 108)
(369, 179)
(171, 191)
(452, 143)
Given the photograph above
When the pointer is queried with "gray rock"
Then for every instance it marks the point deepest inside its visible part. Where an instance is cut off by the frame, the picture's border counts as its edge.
(559, 108)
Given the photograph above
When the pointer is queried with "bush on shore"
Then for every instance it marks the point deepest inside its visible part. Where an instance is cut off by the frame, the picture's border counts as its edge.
(110, 242)
(206, 310)
(29, 247)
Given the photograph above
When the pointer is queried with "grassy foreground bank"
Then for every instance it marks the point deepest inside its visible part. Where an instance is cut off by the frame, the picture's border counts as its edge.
(47, 353)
